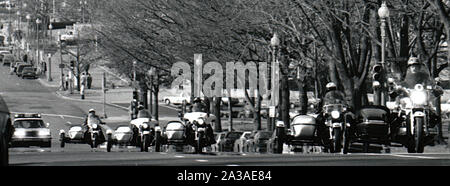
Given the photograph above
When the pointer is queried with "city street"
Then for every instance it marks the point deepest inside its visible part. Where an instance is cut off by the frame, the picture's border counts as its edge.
(30, 96)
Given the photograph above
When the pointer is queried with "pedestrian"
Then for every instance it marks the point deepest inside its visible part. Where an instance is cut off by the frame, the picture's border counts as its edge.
(83, 80)
(133, 109)
(66, 80)
(71, 78)
(89, 80)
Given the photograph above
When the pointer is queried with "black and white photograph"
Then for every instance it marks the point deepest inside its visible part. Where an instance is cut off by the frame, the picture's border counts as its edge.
(224, 83)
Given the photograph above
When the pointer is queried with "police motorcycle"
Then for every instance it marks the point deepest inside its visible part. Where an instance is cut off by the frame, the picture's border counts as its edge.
(416, 121)
(91, 135)
(336, 122)
(146, 133)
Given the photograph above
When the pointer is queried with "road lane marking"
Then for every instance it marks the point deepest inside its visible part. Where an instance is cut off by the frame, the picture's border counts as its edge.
(202, 160)
(178, 156)
(53, 115)
(406, 156)
(233, 165)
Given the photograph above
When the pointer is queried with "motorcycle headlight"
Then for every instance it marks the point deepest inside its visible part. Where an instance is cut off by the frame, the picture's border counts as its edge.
(94, 126)
(335, 114)
(419, 97)
(145, 126)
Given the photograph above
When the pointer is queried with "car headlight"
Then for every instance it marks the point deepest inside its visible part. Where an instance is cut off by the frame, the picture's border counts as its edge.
(419, 97)
(19, 133)
(335, 114)
(44, 133)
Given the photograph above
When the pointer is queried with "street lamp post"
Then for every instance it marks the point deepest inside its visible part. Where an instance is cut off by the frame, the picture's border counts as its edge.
(274, 43)
(50, 27)
(38, 21)
(28, 17)
(383, 12)
(83, 7)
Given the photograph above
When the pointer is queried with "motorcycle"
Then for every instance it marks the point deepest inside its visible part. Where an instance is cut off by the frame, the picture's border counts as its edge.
(336, 122)
(417, 128)
(146, 133)
(199, 127)
(96, 135)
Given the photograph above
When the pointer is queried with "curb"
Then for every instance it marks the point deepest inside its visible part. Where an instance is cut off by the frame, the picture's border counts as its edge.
(42, 82)
(90, 101)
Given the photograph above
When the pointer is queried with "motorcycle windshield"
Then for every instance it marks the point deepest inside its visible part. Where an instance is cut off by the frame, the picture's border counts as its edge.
(334, 107)
(417, 74)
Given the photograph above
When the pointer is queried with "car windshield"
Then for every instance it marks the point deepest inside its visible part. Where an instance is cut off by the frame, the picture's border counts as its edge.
(28, 69)
(29, 124)
(233, 135)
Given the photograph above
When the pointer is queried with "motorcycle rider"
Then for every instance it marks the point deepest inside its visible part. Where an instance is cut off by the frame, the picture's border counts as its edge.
(197, 106)
(190, 138)
(142, 113)
(417, 73)
(333, 96)
(91, 119)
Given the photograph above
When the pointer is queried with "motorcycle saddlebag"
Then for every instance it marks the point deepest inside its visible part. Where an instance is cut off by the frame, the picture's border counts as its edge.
(175, 131)
(373, 121)
(303, 127)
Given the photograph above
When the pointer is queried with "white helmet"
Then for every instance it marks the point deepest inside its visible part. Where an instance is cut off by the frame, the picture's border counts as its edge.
(331, 85)
(91, 110)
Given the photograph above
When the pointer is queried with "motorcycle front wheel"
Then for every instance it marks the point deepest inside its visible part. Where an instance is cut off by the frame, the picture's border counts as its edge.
(94, 141)
(158, 142)
(145, 143)
(418, 136)
(336, 140)
(199, 143)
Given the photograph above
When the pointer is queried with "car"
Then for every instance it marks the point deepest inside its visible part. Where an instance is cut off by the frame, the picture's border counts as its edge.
(8, 59)
(3, 52)
(239, 143)
(30, 130)
(258, 141)
(225, 142)
(29, 72)
(177, 100)
(6, 131)
(21, 67)
(14, 65)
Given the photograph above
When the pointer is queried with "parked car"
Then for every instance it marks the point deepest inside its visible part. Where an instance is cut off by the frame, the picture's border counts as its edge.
(226, 142)
(176, 99)
(8, 59)
(3, 53)
(14, 65)
(20, 69)
(239, 143)
(29, 72)
(6, 131)
(258, 141)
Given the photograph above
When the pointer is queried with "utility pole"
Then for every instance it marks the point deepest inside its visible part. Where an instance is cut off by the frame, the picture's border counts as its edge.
(104, 89)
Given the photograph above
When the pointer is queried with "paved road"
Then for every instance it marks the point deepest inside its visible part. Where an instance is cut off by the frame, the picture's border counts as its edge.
(30, 96)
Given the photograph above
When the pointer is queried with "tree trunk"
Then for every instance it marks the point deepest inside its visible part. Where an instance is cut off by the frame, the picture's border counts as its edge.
(218, 124)
(156, 92)
(230, 116)
(284, 102)
(303, 97)
(257, 118)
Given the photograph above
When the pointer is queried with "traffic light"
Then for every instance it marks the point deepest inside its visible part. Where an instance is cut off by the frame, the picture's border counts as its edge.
(377, 73)
(72, 64)
(135, 95)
